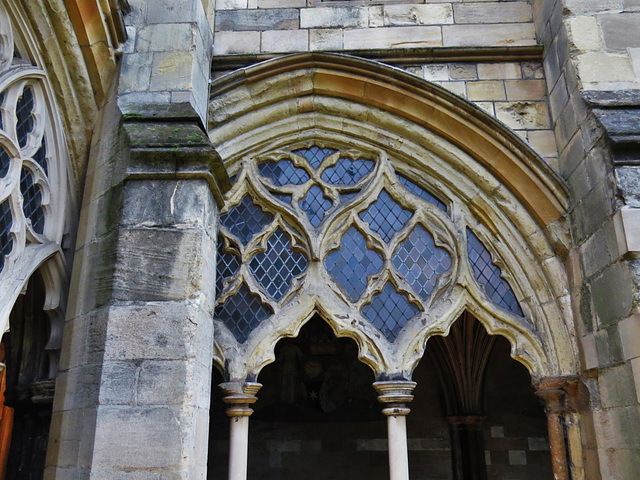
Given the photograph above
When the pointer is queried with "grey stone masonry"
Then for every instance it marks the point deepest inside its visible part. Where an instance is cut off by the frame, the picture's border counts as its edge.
(132, 398)
(167, 56)
(264, 26)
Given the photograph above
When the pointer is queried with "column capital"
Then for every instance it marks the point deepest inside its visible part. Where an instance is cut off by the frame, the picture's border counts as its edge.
(395, 394)
(239, 396)
(557, 392)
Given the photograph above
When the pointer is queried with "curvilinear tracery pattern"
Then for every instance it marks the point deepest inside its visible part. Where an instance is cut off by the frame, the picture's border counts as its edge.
(376, 240)
(24, 156)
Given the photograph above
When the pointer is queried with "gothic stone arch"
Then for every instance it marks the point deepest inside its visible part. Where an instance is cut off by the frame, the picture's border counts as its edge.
(494, 185)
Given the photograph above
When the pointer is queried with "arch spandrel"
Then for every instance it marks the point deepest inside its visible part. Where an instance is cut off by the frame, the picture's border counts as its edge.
(285, 112)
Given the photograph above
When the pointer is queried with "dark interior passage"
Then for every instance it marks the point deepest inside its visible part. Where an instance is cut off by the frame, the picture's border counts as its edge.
(318, 417)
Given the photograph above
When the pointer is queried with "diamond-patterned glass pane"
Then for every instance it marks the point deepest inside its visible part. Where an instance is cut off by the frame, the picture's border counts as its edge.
(246, 219)
(345, 197)
(243, 312)
(276, 267)
(315, 204)
(24, 119)
(315, 155)
(227, 265)
(32, 203)
(347, 171)
(420, 262)
(41, 156)
(6, 242)
(5, 162)
(421, 192)
(283, 173)
(390, 311)
(353, 263)
(489, 275)
(386, 217)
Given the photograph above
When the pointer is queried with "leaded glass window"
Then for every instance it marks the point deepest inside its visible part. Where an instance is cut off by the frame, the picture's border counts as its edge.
(489, 275)
(335, 224)
(27, 150)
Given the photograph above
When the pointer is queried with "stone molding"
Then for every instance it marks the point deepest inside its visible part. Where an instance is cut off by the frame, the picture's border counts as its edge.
(402, 56)
(169, 142)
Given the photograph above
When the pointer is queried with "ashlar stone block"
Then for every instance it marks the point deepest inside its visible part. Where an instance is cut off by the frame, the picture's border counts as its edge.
(334, 17)
(430, 14)
(393, 37)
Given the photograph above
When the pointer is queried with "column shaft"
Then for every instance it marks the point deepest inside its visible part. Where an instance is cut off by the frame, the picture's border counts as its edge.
(238, 448)
(398, 451)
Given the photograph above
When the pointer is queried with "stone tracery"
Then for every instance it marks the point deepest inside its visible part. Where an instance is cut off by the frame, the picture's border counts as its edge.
(341, 226)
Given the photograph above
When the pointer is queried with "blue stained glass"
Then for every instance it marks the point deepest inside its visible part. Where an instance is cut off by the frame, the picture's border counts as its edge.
(386, 217)
(227, 265)
(315, 155)
(243, 312)
(353, 263)
(421, 192)
(246, 219)
(6, 241)
(32, 203)
(24, 108)
(489, 275)
(389, 311)
(5, 162)
(315, 204)
(345, 197)
(283, 197)
(277, 266)
(2, 97)
(347, 171)
(41, 156)
(420, 261)
(283, 172)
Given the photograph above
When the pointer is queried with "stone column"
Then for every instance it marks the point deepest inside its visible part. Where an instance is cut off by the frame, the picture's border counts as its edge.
(239, 397)
(395, 395)
(554, 399)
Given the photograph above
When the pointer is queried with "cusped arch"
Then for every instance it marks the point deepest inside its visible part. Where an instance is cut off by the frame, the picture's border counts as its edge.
(496, 185)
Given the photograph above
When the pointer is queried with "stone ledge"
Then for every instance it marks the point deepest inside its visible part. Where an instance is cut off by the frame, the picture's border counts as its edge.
(403, 56)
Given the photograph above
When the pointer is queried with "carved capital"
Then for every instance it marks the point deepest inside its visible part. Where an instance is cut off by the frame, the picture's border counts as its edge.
(239, 396)
(557, 393)
(395, 395)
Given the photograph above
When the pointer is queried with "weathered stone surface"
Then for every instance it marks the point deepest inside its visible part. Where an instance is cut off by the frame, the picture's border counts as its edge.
(285, 41)
(431, 14)
(325, 39)
(263, 19)
(480, 35)
(486, 90)
(523, 114)
(628, 180)
(499, 71)
(612, 296)
(393, 37)
(236, 42)
(492, 12)
(334, 17)
(617, 28)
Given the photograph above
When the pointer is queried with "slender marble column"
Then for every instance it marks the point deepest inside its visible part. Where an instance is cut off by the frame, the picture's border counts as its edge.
(555, 407)
(239, 397)
(395, 395)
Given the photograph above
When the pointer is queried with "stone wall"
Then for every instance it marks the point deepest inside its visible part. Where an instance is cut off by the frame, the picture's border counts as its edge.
(583, 52)
(255, 26)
